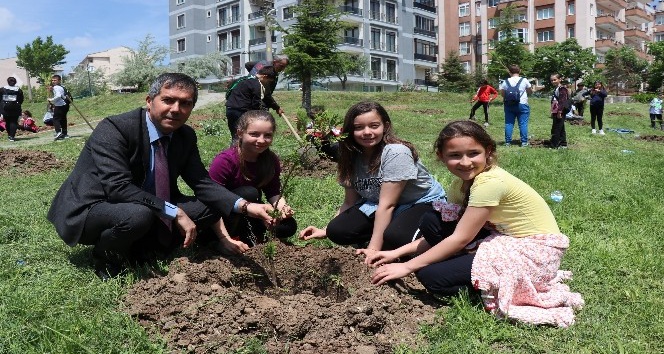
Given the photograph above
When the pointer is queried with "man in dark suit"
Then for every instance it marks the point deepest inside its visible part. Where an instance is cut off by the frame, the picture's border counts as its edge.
(110, 199)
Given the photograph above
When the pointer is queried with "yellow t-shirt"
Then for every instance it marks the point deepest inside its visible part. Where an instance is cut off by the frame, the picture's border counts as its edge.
(517, 208)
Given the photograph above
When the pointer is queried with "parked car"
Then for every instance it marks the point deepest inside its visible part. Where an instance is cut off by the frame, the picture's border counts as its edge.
(297, 85)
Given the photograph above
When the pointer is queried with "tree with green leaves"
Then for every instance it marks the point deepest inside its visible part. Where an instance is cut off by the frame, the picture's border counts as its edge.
(453, 77)
(211, 64)
(509, 48)
(624, 69)
(655, 73)
(39, 58)
(311, 43)
(349, 64)
(81, 82)
(141, 65)
(567, 58)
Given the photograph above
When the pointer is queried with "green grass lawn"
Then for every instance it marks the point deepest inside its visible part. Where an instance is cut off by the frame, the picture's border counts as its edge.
(612, 211)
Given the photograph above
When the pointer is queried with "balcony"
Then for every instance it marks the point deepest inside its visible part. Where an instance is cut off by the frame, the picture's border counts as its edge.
(609, 23)
(256, 15)
(353, 41)
(351, 10)
(228, 21)
(424, 32)
(604, 44)
(425, 82)
(613, 5)
(425, 57)
(228, 47)
(516, 3)
(425, 5)
(636, 35)
(637, 13)
(382, 17)
(261, 40)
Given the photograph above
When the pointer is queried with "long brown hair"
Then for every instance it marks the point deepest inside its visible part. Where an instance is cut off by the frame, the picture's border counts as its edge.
(349, 150)
(265, 163)
(470, 129)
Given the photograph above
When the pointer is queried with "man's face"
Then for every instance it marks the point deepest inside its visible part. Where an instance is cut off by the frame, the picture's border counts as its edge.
(55, 81)
(170, 109)
(280, 65)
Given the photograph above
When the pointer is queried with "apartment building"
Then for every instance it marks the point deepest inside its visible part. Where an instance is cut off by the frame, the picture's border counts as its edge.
(397, 37)
(469, 26)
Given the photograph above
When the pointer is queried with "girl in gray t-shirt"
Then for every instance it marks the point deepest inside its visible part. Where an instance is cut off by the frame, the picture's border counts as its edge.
(387, 189)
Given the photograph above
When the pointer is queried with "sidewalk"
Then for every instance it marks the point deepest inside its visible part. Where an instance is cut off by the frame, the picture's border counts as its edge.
(81, 130)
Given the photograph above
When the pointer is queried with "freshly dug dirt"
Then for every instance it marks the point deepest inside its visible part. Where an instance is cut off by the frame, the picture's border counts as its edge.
(27, 162)
(653, 138)
(323, 302)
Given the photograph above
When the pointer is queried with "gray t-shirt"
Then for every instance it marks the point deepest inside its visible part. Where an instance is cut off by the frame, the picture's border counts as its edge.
(396, 164)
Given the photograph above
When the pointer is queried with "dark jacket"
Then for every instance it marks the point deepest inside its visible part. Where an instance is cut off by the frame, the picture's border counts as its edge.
(113, 165)
(253, 68)
(246, 96)
(597, 97)
(12, 99)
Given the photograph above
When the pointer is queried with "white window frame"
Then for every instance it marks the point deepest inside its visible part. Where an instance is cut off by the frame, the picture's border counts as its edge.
(464, 9)
(478, 9)
(180, 24)
(519, 33)
(659, 37)
(466, 66)
(545, 36)
(492, 22)
(659, 20)
(571, 8)
(493, 3)
(571, 31)
(177, 45)
(464, 48)
(545, 13)
(179, 2)
(464, 29)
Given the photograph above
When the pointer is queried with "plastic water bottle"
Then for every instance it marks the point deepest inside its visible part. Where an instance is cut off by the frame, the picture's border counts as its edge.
(557, 196)
(627, 151)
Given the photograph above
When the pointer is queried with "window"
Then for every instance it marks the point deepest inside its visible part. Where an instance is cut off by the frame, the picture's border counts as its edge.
(235, 13)
(592, 30)
(426, 24)
(570, 32)
(478, 28)
(391, 66)
(545, 36)
(181, 45)
(391, 41)
(571, 10)
(466, 66)
(209, 38)
(374, 10)
(659, 20)
(375, 68)
(464, 48)
(180, 21)
(464, 10)
(288, 13)
(391, 12)
(519, 33)
(493, 22)
(179, 2)
(659, 37)
(520, 17)
(492, 44)
(426, 48)
(545, 13)
(478, 9)
(492, 3)
(375, 39)
(464, 29)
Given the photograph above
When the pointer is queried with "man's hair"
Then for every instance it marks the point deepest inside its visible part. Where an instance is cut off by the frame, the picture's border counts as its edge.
(280, 57)
(56, 77)
(168, 80)
(514, 69)
(11, 80)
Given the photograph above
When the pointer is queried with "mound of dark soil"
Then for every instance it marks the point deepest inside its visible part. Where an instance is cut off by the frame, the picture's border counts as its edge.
(27, 162)
(654, 138)
(323, 302)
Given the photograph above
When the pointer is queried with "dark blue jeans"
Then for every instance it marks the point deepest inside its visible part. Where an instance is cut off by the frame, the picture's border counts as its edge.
(521, 114)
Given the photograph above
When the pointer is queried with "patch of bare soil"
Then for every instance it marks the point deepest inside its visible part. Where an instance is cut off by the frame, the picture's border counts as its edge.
(27, 162)
(629, 114)
(323, 302)
(320, 168)
(579, 122)
(429, 111)
(653, 138)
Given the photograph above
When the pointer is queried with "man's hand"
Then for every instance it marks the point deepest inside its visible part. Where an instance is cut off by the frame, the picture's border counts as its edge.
(186, 226)
(260, 211)
(231, 246)
(281, 111)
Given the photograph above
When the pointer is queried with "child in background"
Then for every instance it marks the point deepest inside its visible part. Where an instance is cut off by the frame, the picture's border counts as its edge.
(485, 94)
(386, 187)
(656, 111)
(516, 268)
(597, 96)
(27, 122)
(250, 169)
(559, 101)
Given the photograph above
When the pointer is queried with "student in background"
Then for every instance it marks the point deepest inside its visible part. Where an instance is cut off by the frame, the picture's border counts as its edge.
(484, 95)
(656, 111)
(597, 96)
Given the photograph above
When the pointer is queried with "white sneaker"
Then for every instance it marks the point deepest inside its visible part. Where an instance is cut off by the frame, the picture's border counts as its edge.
(594, 131)
(486, 124)
(601, 132)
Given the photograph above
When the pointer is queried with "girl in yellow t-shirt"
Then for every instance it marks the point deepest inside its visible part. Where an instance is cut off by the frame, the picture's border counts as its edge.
(516, 266)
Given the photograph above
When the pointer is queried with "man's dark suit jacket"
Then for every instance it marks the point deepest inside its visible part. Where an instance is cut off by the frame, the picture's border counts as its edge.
(113, 165)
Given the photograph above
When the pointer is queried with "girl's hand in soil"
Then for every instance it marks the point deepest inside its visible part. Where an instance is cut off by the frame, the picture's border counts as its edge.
(231, 246)
(382, 257)
(368, 254)
(312, 232)
(389, 272)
